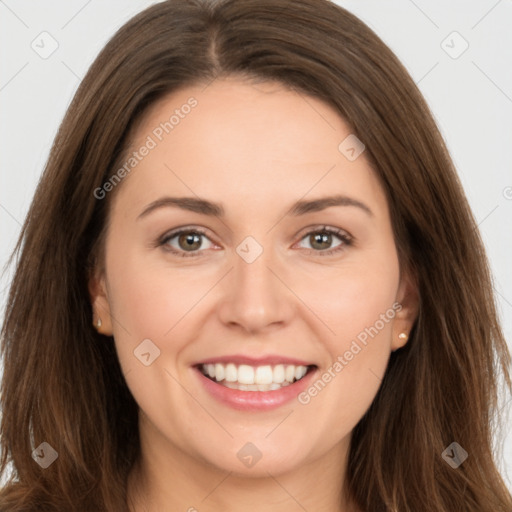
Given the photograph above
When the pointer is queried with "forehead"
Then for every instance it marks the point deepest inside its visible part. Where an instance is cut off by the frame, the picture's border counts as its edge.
(233, 141)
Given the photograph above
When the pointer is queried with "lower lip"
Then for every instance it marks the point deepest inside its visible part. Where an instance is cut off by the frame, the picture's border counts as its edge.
(255, 400)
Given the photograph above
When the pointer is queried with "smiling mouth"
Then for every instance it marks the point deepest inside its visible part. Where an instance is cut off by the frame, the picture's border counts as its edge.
(255, 378)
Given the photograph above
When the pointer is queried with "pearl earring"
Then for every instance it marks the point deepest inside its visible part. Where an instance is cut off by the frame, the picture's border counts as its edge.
(98, 323)
(403, 336)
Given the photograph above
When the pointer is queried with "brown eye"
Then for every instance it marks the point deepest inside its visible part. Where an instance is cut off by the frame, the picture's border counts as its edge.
(186, 242)
(189, 241)
(320, 241)
(326, 241)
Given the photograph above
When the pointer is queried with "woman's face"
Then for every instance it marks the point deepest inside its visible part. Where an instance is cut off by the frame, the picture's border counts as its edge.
(286, 264)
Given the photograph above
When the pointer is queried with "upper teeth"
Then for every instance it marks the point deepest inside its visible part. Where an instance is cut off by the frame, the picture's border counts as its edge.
(245, 374)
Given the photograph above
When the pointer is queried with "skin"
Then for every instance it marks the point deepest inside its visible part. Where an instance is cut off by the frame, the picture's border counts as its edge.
(255, 149)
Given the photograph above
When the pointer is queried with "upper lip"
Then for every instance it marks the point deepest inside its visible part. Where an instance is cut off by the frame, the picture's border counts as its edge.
(271, 360)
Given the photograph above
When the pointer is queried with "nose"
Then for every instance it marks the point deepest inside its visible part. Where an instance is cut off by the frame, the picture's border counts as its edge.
(255, 297)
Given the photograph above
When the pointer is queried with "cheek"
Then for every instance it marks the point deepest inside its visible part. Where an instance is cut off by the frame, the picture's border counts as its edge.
(357, 306)
(352, 299)
(146, 303)
(149, 300)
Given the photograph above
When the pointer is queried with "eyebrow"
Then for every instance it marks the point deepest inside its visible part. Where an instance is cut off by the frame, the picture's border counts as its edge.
(210, 208)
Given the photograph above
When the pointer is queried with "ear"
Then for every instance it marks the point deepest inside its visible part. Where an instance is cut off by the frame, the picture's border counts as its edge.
(408, 298)
(100, 303)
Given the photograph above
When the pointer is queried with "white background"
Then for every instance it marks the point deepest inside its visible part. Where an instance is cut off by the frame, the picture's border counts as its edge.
(470, 96)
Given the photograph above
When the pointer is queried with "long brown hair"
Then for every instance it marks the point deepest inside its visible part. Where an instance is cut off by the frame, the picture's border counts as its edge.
(62, 383)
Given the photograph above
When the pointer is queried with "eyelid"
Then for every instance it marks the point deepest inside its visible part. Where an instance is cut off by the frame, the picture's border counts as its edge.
(162, 241)
(345, 237)
(318, 228)
(177, 231)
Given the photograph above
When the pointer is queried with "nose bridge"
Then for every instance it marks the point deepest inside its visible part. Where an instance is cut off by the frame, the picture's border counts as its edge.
(255, 298)
(253, 275)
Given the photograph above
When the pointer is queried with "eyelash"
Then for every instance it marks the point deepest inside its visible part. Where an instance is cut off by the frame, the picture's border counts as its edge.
(346, 240)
